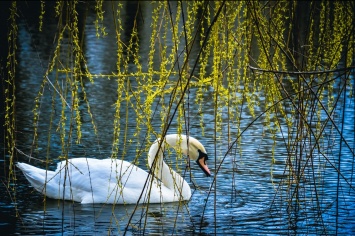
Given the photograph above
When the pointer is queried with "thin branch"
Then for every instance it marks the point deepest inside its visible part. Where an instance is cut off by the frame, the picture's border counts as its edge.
(302, 72)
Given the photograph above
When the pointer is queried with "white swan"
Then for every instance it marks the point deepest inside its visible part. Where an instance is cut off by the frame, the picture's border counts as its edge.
(88, 180)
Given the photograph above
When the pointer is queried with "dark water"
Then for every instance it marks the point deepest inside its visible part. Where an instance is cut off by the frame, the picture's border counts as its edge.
(252, 195)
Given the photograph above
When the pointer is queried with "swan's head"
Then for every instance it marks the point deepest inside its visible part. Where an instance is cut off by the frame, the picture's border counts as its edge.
(189, 146)
(197, 152)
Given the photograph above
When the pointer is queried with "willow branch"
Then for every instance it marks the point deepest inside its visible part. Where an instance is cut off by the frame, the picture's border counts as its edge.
(301, 72)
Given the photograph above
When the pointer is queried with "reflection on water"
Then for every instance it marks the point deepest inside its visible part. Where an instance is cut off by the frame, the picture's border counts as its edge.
(252, 193)
(74, 218)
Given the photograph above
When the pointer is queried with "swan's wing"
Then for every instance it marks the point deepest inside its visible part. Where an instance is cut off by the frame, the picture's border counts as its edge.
(99, 181)
(92, 180)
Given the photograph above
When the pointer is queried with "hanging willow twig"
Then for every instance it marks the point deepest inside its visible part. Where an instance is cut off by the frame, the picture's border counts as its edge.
(302, 72)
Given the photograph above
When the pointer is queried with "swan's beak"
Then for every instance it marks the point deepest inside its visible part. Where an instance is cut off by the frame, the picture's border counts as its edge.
(201, 161)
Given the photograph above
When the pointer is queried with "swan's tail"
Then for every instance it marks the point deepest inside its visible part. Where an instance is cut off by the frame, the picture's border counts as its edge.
(36, 176)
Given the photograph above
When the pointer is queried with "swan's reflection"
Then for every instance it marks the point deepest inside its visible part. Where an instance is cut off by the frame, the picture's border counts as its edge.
(68, 218)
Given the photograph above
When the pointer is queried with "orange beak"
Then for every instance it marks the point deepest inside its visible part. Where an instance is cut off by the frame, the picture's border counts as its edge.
(202, 163)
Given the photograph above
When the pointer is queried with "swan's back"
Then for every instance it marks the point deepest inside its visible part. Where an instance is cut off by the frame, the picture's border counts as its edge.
(89, 180)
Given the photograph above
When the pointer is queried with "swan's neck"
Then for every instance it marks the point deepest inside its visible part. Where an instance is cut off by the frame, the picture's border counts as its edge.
(162, 171)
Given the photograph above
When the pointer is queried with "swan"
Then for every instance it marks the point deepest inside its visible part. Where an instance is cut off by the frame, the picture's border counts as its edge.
(113, 181)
